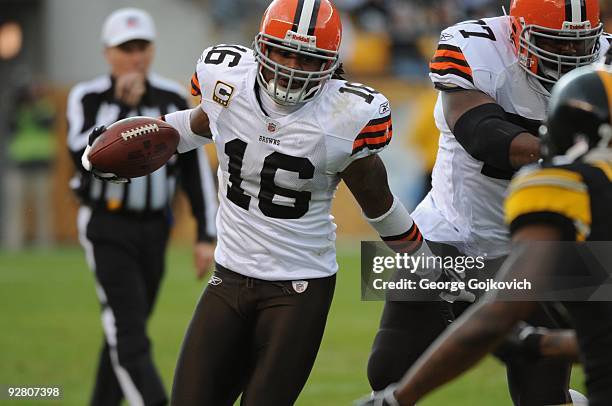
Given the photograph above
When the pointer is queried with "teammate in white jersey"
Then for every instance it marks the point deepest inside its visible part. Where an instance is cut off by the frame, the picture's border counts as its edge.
(494, 77)
(491, 104)
(287, 129)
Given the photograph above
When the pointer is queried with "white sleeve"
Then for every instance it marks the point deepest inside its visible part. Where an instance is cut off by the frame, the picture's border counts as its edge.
(466, 61)
(375, 134)
(180, 120)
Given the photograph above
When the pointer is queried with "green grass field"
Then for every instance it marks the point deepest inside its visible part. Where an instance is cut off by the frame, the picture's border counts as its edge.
(50, 332)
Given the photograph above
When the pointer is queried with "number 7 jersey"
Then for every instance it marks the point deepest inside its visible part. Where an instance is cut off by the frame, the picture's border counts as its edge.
(277, 177)
(465, 205)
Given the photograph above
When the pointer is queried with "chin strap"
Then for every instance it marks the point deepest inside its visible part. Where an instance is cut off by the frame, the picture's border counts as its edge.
(290, 96)
(605, 133)
(577, 150)
(283, 95)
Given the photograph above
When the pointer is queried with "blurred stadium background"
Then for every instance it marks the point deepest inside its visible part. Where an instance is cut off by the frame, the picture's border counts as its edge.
(48, 311)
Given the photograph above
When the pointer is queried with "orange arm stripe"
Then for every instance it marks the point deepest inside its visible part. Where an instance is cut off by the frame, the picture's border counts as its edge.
(363, 144)
(375, 135)
(449, 60)
(376, 125)
(449, 54)
(373, 140)
(195, 80)
(375, 128)
(195, 85)
(450, 65)
(442, 59)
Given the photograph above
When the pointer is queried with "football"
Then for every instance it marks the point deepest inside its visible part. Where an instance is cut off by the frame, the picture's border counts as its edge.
(133, 147)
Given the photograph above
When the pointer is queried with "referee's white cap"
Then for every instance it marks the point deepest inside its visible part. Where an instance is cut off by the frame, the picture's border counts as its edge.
(127, 24)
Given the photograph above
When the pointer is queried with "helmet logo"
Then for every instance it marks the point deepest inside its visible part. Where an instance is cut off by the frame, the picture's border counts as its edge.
(293, 38)
(585, 25)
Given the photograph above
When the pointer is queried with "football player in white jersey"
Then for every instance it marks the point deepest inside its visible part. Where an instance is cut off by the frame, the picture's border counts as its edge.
(287, 129)
(494, 77)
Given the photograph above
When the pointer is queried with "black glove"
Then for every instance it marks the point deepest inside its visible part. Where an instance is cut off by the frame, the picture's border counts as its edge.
(105, 176)
(449, 275)
(383, 398)
(522, 344)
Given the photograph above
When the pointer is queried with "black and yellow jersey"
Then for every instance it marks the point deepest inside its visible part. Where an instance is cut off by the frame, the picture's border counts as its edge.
(576, 197)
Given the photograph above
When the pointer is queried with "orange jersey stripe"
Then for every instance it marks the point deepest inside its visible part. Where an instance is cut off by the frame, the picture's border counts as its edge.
(195, 85)
(449, 54)
(195, 80)
(450, 65)
(375, 128)
(373, 140)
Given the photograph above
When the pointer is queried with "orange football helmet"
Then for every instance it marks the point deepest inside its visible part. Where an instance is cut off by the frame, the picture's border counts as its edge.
(309, 28)
(553, 37)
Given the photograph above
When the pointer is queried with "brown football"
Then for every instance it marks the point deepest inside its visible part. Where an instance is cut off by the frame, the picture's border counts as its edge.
(133, 147)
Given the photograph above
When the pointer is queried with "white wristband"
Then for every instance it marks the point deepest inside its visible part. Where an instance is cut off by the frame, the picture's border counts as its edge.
(181, 121)
(389, 396)
(395, 221)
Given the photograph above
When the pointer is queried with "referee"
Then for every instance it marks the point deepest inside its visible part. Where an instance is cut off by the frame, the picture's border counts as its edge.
(124, 227)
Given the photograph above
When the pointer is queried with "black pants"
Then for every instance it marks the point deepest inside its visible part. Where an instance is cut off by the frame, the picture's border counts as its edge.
(251, 337)
(126, 253)
(408, 328)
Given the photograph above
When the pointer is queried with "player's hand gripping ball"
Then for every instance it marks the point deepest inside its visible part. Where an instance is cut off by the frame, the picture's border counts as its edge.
(130, 148)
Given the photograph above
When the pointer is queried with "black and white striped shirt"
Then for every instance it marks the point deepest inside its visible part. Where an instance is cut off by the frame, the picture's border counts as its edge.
(92, 103)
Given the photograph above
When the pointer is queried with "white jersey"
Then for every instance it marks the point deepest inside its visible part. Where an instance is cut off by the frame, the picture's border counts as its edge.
(465, 205)
(277, 177)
